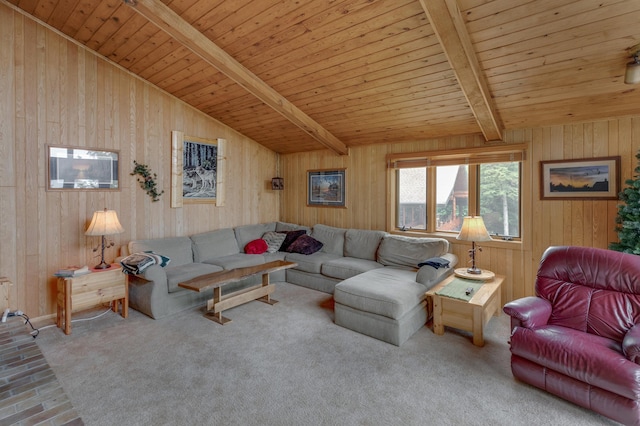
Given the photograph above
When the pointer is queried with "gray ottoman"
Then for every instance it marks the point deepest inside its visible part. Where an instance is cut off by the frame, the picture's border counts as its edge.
(387, 304)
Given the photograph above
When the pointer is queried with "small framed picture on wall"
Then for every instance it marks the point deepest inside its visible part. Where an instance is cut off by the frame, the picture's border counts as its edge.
(326, 188)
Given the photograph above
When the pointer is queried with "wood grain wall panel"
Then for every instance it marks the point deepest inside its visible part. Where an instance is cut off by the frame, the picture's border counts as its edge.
(62, 94)
(544, 222)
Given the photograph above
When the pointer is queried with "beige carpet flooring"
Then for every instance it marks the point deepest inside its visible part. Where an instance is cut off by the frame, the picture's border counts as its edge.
(289, 364)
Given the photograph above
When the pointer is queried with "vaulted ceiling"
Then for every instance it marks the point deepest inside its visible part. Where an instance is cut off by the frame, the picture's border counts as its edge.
(300, 75)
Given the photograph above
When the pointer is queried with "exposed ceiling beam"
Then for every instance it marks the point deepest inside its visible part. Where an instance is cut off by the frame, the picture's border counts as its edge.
(167, 20)
(451, 31)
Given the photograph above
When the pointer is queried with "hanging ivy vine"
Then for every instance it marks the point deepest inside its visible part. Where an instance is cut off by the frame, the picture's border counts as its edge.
(147, 180)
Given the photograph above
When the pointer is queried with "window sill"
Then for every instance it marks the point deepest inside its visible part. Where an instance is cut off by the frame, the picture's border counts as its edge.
(451, 237)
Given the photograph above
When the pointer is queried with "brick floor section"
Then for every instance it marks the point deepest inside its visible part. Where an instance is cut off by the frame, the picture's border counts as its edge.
(29, 391)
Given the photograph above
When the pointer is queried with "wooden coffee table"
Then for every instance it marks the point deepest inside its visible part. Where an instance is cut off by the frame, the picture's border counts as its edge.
(217, 280)
(470, 316)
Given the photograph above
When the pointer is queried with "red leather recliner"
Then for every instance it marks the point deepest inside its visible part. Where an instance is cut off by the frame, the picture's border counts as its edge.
(579, 337)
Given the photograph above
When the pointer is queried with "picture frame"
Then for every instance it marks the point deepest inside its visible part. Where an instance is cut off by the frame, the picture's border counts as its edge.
(72, 168)
(197, 170)
(277, 184)
(582, 179)
(326, 188)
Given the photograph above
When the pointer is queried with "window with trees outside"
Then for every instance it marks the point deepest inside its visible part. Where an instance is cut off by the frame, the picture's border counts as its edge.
(435, 191)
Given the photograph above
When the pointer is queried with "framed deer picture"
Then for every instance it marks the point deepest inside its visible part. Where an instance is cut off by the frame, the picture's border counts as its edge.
(197, 170)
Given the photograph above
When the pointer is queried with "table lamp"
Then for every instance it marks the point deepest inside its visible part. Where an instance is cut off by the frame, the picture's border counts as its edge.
(473, 230)
(104, 222)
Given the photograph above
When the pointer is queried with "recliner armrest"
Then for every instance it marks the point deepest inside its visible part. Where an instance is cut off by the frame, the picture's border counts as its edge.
(631, 344)
(528, 312)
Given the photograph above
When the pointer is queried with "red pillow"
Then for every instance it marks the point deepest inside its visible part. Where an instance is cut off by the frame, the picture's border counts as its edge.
(258, 246)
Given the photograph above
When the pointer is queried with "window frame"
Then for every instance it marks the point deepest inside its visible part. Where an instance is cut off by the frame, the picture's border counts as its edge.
(472, 157)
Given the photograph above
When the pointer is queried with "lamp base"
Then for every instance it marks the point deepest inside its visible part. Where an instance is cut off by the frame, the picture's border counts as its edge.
(102, 265)
(482, 276)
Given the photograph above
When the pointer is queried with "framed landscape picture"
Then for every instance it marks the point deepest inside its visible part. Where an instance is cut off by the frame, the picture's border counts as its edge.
(587, 179)
(326, 188)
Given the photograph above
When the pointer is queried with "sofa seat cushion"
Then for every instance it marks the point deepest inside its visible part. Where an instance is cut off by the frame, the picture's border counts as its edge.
(240, 260)
(586, 357)
(311, 263)
(347, 267)
(182, 273)
(272, 257)
(389, 292)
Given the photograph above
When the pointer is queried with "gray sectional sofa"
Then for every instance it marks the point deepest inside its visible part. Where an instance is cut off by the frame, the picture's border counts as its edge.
(374, 276)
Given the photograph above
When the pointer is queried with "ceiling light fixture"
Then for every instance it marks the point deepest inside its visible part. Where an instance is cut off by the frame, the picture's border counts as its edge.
(632, 74)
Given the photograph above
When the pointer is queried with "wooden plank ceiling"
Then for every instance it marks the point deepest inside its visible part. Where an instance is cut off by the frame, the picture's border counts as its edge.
(307, 75)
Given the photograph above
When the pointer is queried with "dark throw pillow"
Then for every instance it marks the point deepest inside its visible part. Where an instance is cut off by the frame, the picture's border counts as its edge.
(305, 244)
(291, 237)
(258, 246)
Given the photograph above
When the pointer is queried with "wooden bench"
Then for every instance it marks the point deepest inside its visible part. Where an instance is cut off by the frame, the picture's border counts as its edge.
(217, 280)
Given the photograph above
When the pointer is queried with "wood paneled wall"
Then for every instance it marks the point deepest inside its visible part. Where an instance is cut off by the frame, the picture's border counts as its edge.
(54, 92)
(544, 223)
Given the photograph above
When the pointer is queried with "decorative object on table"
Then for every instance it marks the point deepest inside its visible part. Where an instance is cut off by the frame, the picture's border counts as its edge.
(104, 222)
(326, 188)
(627, 218)
(473, 230)
(147, 180)
(586, 179)
(71, 168)
(72, 271)
(197, 170)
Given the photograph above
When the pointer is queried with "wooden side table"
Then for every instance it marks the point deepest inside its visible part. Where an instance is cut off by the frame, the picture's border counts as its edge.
(5, 285)
(470, 315)
(91, 290)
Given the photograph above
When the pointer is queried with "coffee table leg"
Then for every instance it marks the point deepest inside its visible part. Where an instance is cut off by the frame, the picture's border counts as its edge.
(267, 298)
(215, 316)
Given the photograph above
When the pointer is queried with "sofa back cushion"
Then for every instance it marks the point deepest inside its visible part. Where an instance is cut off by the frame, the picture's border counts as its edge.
(592, 290)
(214, 244)
(362, 244)
(407, 252)
(332, 239)
(247, 233)
(177, 249)
(285, 227)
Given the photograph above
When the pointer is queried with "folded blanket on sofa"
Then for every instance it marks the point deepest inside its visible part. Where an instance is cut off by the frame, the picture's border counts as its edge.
(136, 263)
(436, 262)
